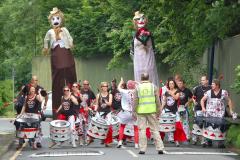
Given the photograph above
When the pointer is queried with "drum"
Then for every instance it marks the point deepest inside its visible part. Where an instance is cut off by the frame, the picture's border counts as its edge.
(182, 110)
(115, 125)
(98, 128)
(214, 128)
(167, 122)
(198, 123)
(196, 130)
(129, 130)
(60, 130)
(27, 126)
(78, 127)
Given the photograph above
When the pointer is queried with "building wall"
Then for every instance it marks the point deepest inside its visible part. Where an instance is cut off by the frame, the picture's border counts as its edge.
(227, 57)
(93, 69)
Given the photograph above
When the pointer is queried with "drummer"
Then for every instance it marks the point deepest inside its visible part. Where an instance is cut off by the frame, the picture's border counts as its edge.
(198, 93)
(31, 105)
(216, 99)
(103, 107)
(125, 115)
(170, 103)
(185, 98)
(66, 111)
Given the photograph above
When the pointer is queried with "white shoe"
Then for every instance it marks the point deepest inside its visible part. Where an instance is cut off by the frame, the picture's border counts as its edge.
(74, 145)
(136, 146)
(81, 142)
(177, 144)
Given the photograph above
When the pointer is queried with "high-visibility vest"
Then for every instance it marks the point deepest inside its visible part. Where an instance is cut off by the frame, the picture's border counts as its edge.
(146, 98)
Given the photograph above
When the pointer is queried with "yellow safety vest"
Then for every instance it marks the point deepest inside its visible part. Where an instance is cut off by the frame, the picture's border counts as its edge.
(146, 96)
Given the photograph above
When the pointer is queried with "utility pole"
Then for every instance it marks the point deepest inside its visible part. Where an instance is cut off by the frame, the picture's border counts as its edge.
(13, 82)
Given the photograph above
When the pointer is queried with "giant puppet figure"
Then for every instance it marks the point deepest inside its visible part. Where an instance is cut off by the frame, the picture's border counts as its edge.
(62, 60)
(143, 50)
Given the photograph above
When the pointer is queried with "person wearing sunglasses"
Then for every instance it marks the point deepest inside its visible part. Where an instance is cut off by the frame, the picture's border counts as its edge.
(103, 107)
(66, 111)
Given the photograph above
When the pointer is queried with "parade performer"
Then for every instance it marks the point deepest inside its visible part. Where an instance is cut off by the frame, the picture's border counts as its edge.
(39, 90)
(126, 116)
(116, 105)
(198, 93)
(79, 125)
(170, 103)
(88, 99)
(142, 50)
(62, 60)
(66, 111)
(103, 107)
(31, 105)
(185, 97)
(215, 124)
(147, 107)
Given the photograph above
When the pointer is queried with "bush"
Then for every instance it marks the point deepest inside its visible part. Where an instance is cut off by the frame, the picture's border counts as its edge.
(236, 84)
(5, 95)
(233, 136)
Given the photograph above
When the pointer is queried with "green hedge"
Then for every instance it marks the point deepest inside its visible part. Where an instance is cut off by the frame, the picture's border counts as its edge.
(233, 136)
(5, 95)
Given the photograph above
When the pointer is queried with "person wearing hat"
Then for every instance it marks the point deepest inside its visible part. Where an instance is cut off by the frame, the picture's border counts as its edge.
(62, 60)
(142, 50)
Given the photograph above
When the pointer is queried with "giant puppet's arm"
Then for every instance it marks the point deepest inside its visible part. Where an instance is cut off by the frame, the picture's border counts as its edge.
(46, 42)
(69, 37)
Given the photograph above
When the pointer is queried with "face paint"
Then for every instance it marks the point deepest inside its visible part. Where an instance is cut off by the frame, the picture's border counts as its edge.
(56, 21)
(141, 22)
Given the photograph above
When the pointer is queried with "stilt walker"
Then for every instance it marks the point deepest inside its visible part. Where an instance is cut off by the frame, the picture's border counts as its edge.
(143, 50)
(62, 60)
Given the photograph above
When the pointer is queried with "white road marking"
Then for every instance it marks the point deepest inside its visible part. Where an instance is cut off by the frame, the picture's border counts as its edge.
(202, 153)
(132, 153)
(61, 154)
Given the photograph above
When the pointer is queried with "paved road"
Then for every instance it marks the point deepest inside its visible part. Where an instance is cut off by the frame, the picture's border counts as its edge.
(113, 153)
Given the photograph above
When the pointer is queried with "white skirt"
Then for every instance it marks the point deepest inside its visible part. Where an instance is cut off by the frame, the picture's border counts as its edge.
(125, 117)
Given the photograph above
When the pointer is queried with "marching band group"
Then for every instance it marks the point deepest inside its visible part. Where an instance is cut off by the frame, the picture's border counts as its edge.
(136, 110)
(144, 112)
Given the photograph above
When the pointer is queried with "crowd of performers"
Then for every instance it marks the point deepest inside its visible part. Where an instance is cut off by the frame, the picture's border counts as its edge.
(114, 107)
(129, 110)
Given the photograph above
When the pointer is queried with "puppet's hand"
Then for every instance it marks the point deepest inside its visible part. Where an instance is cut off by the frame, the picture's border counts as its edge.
(45, 51)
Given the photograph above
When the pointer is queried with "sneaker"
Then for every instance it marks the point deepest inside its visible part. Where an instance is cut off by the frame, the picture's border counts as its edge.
(74, 145)
(160, 152)
(141, 152)
(194, 142)
(204, 145)
(34, 146)
(136, 146)
(108, 145)
(89, 142)
(119, 146)
(177, 144)
(209, 143)
(80, 143)
(19, 146)
(39, 145)
(221, 146)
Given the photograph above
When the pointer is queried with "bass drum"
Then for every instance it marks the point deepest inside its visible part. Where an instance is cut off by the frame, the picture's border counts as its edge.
(129, 130)
(60, 130)
(214, 128)
(27, 126)
(98, 128)
(167, 122)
